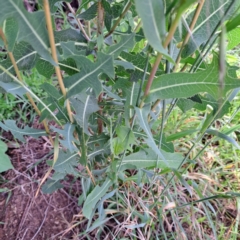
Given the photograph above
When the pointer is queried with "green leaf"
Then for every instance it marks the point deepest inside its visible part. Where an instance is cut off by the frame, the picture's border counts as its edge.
(13, 88)
(25, 58)
(51, 186)
(126, 65)
(84, 105)
(166, 145)
(52, 4)
(69, 35)
(182, 85)
(149, 159)
(124, 138)
(68, 138)
(111, 13)
(142, 115)
(88, 77)
(11, 32)
(32, 26)
(96, 195)
(126, 42)
(139, 63)
(66, 163)
(210, 15)
(223, 136)
(181, 134)
(233, 38)
(90, 13)
(153, 20)
(5, 163)
(45, 68)
(51, 90)
(233, 24)
(10, 125)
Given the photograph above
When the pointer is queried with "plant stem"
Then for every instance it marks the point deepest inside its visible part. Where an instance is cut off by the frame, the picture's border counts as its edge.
(129, 4)
(159, 56)
(189, 33)
(20, 79)
(54, 55)
(78, 22)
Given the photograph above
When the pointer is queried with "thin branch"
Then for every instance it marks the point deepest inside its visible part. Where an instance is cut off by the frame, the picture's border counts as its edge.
(54, 55)
(78, 22)
(119, 19)
(20, 79)
(159, 56)
(189, 33)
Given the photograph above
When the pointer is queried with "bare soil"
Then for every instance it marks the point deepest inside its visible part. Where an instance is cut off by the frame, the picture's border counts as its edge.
(24, 215)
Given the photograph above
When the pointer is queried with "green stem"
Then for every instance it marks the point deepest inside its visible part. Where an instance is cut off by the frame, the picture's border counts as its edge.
(129, 4)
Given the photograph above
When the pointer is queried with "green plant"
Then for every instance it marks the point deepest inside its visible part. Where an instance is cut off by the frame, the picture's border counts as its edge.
(120, 84)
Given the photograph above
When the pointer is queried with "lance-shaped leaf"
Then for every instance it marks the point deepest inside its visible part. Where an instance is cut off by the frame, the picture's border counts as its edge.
(10, 125)
(183, 85)
(88, 77)
(96, 195)
(210, 15)
(84, 105)
(149, 159)
(32, 26)
(142, 114)
(66, 163)
(223, 136)
(5, 163)
(126, 42)
(153, 20)
(68, 138)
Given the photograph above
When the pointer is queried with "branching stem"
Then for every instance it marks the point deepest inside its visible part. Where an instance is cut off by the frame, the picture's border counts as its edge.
(129, 4)
(78, 22)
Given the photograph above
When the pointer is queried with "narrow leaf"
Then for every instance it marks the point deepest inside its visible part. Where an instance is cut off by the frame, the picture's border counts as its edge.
(223, 136)
(142, 114)
(96, 194)
(153, 19)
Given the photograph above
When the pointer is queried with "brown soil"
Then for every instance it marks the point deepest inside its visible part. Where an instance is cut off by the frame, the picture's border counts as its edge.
(24, 216)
